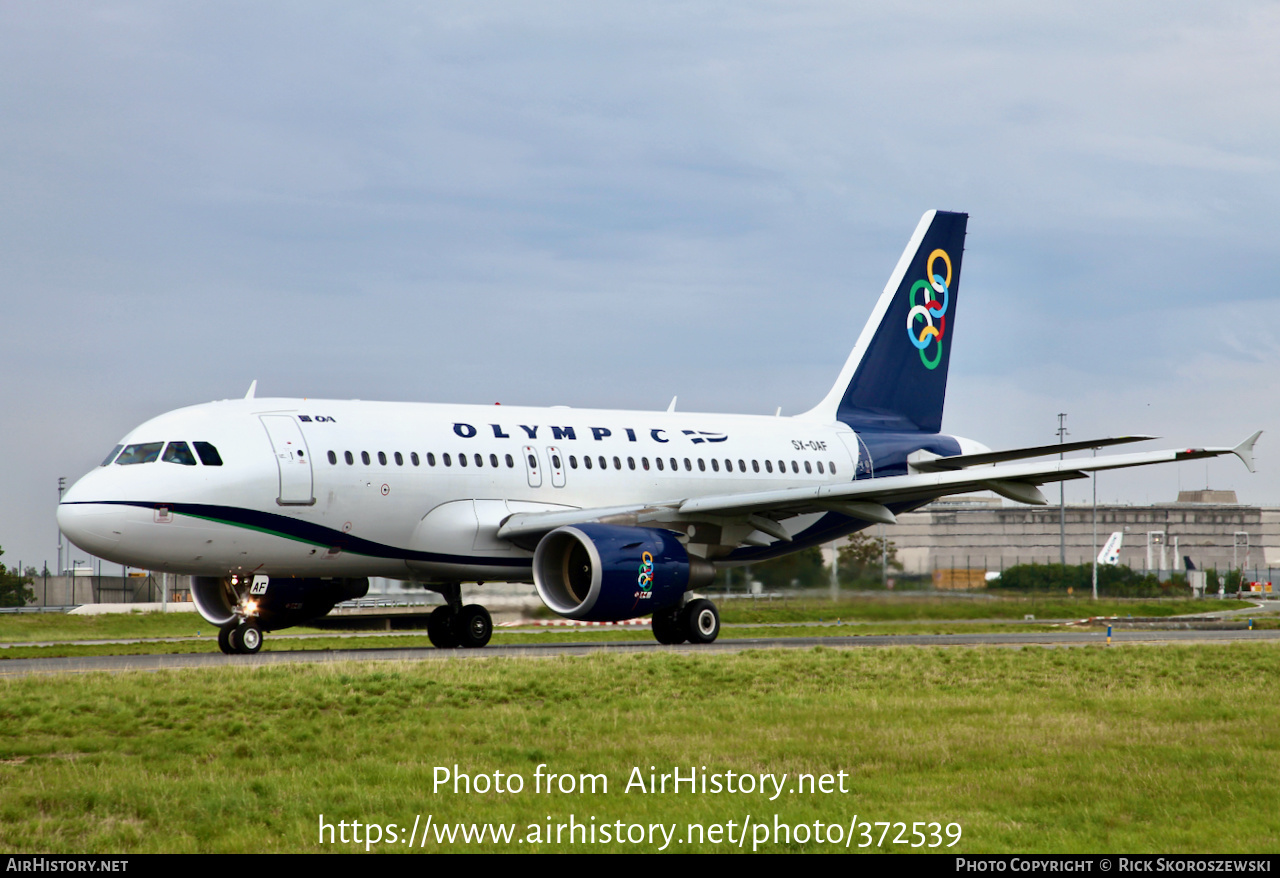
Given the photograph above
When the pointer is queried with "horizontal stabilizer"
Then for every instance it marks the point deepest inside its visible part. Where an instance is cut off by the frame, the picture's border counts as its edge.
(959, 461)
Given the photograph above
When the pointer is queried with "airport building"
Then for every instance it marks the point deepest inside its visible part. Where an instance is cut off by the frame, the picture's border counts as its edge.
(1210, 528)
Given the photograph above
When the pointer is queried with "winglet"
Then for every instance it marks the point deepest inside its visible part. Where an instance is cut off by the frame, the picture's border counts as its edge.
(1244, 451)
(252, 387)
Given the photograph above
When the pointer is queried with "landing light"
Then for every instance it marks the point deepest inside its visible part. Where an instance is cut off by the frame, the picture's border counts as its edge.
(249, 608)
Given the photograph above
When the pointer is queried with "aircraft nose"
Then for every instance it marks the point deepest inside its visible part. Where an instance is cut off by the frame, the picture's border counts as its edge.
(94, 527)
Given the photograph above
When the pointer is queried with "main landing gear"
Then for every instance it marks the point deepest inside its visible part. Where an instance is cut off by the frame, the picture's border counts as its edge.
(454, 625)
(697, 622)
(240, 637)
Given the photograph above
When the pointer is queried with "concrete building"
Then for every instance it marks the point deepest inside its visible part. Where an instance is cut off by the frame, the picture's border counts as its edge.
(1209, 527)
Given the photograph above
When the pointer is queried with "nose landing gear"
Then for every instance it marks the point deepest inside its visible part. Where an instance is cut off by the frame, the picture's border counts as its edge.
(240, 637)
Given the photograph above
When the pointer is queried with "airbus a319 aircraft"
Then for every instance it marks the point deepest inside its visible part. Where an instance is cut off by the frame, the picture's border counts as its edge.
(282, 508)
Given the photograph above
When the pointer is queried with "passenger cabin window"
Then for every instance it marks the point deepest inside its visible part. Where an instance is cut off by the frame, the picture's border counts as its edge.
(143, 452)
(382, 458)
(399, 459)
(364, 456)
(179, 452)
(350, 460)
(112, 456)
(413, 456)
(333, 458)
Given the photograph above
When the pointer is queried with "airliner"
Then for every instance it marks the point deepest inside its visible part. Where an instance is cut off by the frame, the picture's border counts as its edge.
(280, 509)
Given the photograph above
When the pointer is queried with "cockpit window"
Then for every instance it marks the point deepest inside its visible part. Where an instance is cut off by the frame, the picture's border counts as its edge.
(112, 456)
(208, 454)
(145, 452)
(178, 452)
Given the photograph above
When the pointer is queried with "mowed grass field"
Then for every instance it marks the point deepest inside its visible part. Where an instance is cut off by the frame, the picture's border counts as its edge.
(1126, 749)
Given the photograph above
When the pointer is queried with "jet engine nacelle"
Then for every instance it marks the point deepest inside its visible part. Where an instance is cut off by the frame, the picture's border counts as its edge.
(284, 602)
(607, 573)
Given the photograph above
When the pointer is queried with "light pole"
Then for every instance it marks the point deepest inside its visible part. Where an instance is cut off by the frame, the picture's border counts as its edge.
(62, 487)
(1062, 496)
(1094, 477)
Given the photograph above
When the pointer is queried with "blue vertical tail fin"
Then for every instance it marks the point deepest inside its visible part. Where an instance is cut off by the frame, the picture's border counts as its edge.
(896, 377)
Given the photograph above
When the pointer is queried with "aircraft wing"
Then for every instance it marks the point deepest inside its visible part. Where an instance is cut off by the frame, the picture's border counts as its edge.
(866, 499)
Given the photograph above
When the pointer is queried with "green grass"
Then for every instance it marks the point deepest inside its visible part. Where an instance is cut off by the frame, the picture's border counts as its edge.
(277, 642)
(33, 627)
(1157, 749)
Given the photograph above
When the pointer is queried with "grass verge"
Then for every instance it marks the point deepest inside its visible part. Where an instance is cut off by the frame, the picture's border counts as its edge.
(1170, 749)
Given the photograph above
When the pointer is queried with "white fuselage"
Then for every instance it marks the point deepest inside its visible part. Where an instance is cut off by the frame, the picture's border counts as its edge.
(410, 490)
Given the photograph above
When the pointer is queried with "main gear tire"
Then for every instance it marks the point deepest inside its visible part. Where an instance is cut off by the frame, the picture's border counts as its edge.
(701, 621)
(667, 628)
(440, 628)
(473, 626)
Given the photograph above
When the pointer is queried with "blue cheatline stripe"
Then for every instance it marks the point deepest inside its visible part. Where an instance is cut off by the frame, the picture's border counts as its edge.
(305, 532)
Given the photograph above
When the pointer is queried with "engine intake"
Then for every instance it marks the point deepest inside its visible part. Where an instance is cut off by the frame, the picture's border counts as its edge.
(606, 573)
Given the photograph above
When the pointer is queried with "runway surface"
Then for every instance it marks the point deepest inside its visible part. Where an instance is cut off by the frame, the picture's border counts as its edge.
(91, 664)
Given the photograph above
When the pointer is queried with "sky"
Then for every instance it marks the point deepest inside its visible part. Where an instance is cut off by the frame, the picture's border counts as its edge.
(605, 204)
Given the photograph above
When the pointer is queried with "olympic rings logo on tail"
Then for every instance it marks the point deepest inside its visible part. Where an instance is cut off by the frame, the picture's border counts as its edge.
(920, 319)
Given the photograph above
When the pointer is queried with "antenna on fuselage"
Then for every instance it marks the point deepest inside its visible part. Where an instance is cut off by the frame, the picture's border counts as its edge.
(252, 388)
(672, 407)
